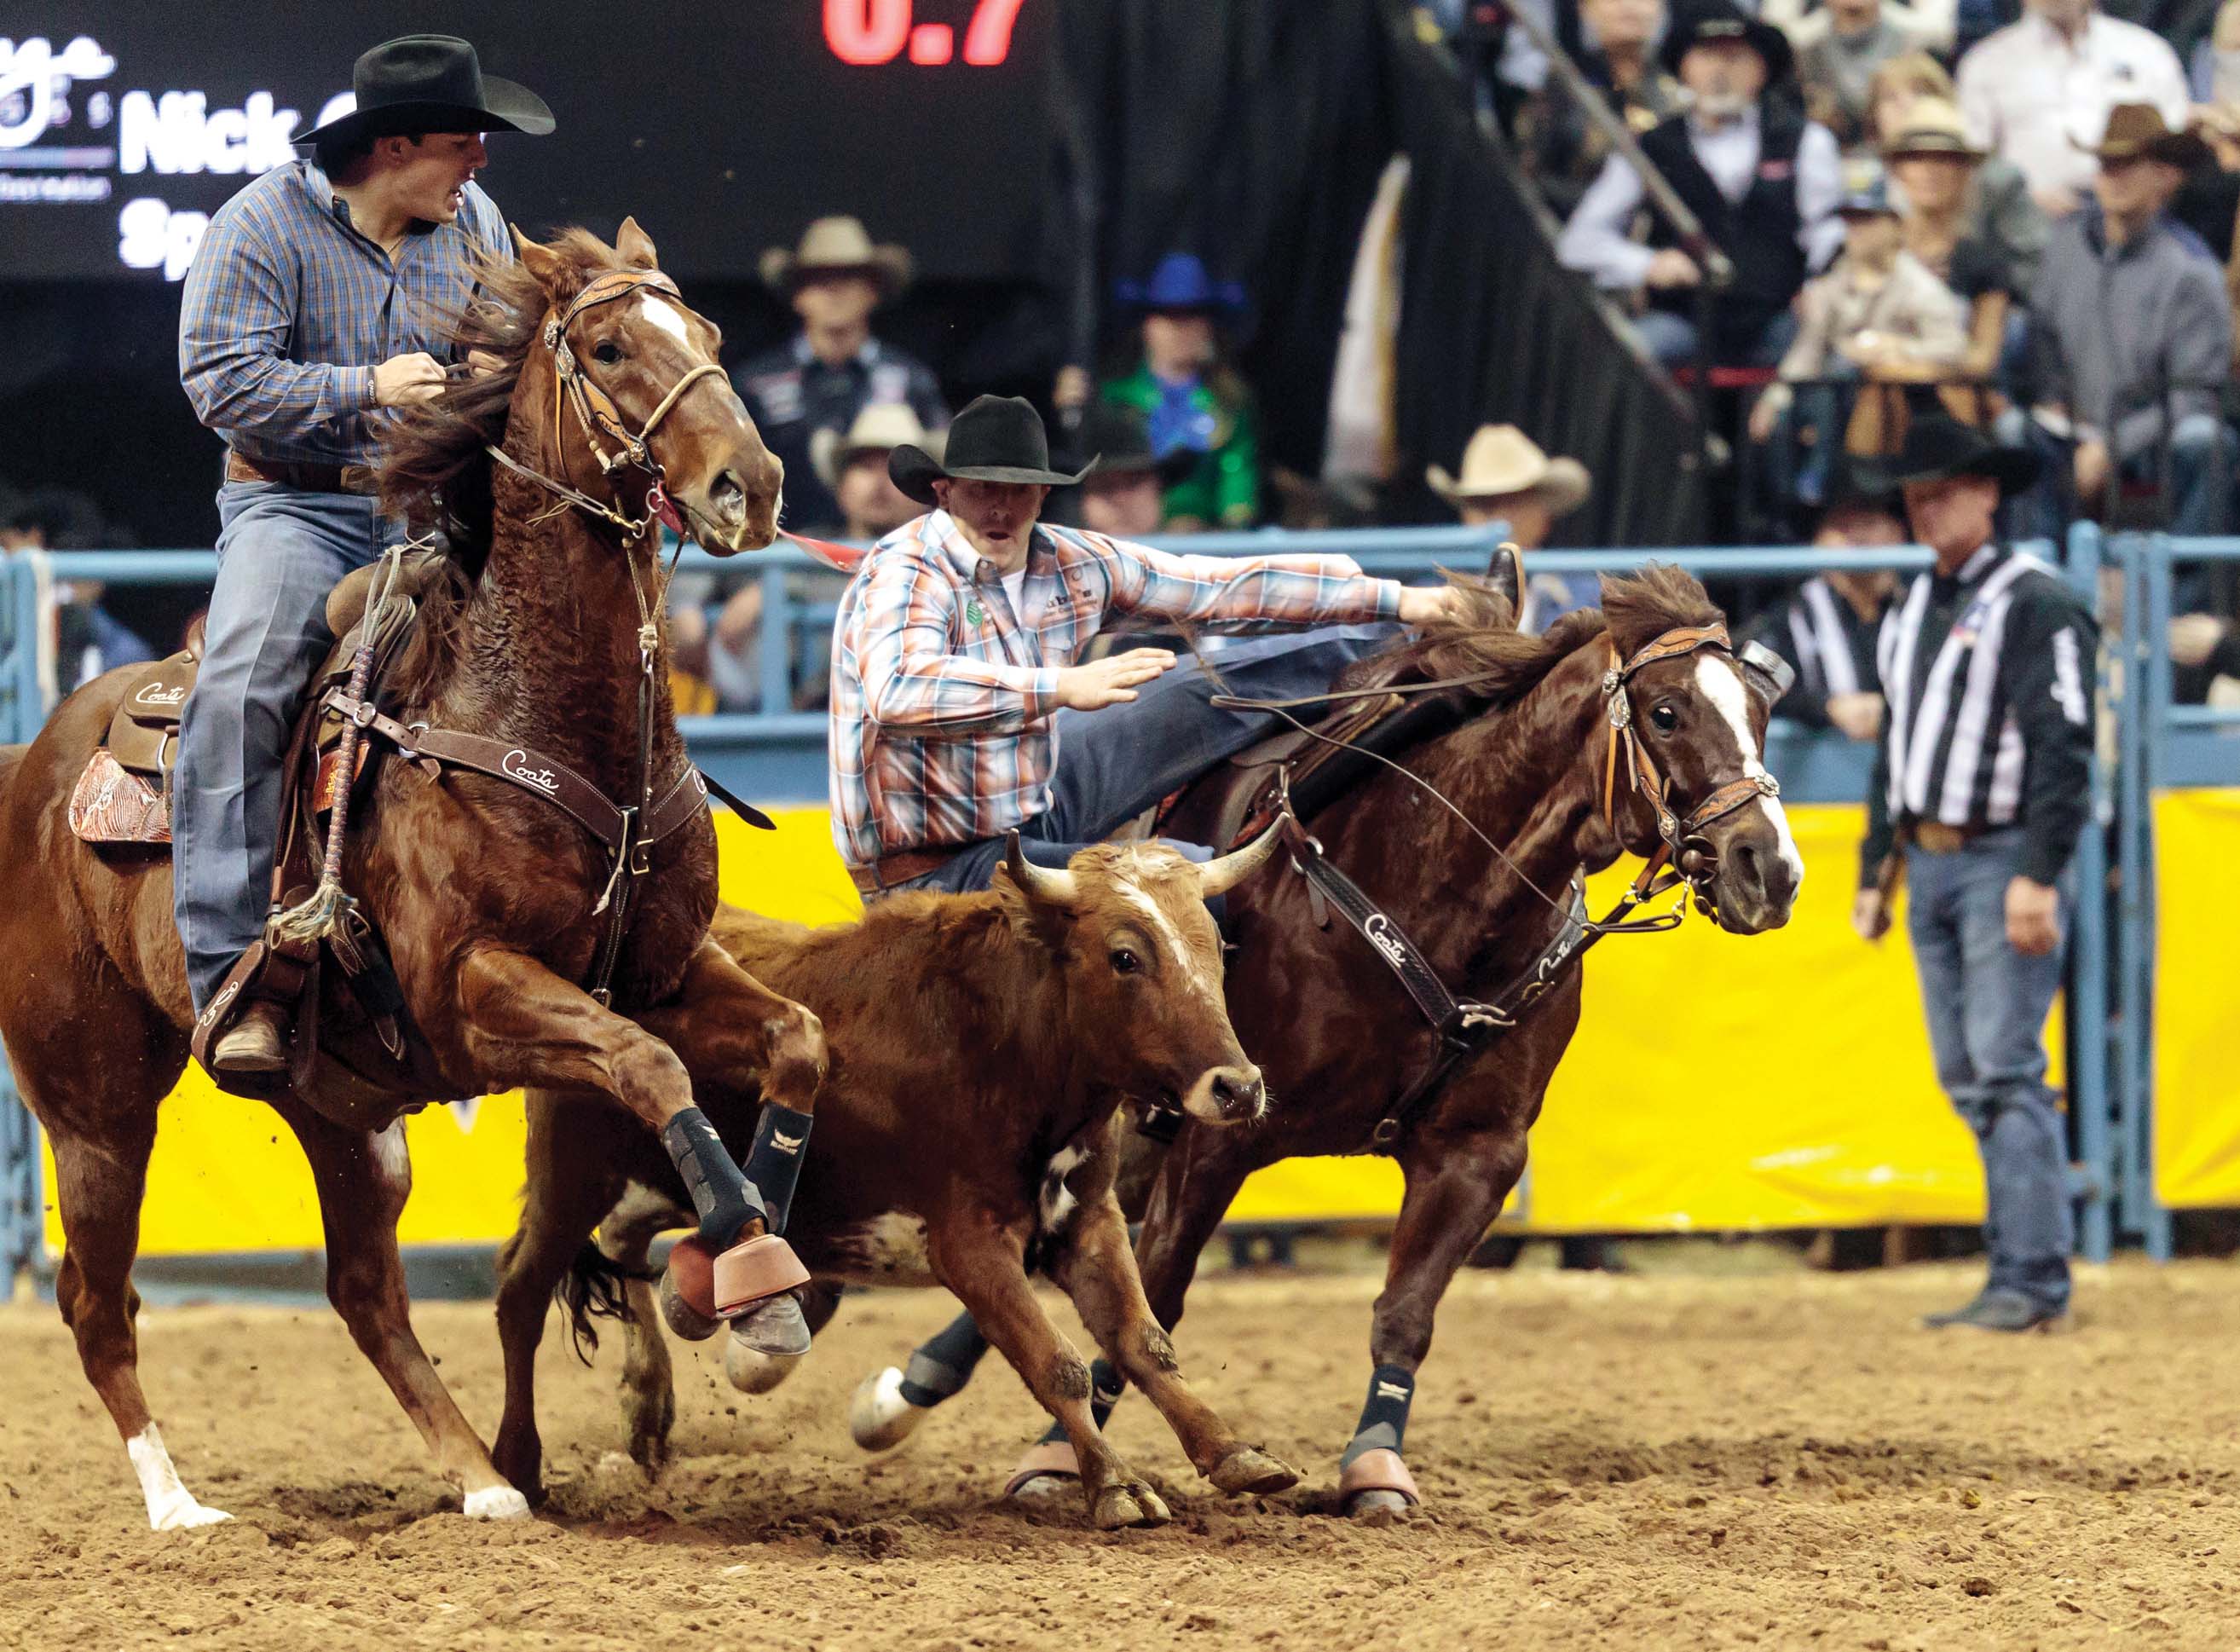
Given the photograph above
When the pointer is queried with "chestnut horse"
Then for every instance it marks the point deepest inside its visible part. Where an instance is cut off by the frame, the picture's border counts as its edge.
(488, 897)
(1340, 1041)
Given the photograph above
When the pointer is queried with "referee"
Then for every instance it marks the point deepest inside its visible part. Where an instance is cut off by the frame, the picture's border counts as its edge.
(1981, 790)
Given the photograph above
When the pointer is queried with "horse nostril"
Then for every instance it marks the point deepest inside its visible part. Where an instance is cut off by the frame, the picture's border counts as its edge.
(727, 499)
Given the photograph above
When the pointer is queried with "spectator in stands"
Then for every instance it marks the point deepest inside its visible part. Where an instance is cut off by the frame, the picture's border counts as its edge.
(1192, 401)
(1828, 630)
(1559, 146)
(854, 466)
(1933, 167)
(1507, 479)
(1998, 209)
(1764, 182)
(1982, 789)
(89, 639)
(1835, 70)
(1879, 313)
(2205, 651)
(2039, 92)
(2136, 335)
(1927, 23)
(833, 368)
(1125, 494)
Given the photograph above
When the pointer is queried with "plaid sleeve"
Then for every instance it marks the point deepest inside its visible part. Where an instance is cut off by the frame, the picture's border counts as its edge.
(235, 318)
(900, 636)
(1297, 590)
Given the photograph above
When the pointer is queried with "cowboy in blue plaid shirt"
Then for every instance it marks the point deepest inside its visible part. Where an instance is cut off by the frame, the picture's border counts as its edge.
(323, 292)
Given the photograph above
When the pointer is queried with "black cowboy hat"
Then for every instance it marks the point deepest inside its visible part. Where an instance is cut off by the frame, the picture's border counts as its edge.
(1937, 448)
(430, 83)
(1711, 21)
(1120, 440)
(998, 438)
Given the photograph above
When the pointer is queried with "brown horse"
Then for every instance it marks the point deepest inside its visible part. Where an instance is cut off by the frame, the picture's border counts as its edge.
(980, 1045)
(1341, 1042)
(488, 897)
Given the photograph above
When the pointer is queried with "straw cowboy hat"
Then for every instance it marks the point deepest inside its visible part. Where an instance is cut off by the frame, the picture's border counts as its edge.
(835, 246)
(1933, 127)
(998, 438)
(1501, 460)
(880, 428)
(2137, 132)
(430, 83)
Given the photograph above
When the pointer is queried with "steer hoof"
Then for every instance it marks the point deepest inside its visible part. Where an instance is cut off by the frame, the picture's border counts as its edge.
(497, 1503)
(186, 1515)
(1129, 1504)
(879, 1419)
(751, 1370)
(1249, 1471)
(1377, 1507)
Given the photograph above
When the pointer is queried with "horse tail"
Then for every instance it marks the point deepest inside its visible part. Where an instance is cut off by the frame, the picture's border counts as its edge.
(593, 1288)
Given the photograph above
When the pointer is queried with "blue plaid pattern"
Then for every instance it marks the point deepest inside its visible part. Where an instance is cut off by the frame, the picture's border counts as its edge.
(942, 697)
(288, 310)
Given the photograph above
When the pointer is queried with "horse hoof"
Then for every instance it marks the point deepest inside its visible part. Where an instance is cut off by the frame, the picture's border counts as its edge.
(1130, 1504)
(1378, 1505)
(777, 1329)
(497, 1503)
(1041, 1489)
(751, 1370)
(1249, 1471)
(879, 1419)
(679, 1314)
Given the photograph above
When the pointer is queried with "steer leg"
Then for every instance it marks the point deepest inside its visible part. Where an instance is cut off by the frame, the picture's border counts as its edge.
(363, 1180)
(1455, 1189)
(983, 1261)
(649, 1380)
(1098, 1271)
(522, 1024)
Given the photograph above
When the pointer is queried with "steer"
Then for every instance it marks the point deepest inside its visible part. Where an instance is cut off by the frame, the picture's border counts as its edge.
(967, 1134)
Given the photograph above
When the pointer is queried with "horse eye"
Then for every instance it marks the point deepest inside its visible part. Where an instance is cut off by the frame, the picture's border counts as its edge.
(1665, 718)
(1124, 961)
(607, 351)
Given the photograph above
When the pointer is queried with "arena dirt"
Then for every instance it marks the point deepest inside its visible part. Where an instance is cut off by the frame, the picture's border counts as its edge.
(1661, 1463)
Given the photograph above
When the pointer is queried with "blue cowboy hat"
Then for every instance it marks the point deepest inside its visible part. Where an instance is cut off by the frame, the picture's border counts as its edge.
(1180, 282)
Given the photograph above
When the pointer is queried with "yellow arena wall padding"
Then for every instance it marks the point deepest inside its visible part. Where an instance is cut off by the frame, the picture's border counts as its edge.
(2196, 1094)
(1716, 1081)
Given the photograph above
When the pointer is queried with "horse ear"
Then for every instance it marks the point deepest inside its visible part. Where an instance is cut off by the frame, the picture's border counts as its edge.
(634, 247)
(550, 269)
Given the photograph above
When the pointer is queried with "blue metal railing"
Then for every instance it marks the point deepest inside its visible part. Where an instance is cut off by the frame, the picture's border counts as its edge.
(778, 753)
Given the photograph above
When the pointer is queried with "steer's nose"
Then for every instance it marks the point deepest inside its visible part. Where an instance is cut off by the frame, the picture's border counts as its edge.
(1239, 1092)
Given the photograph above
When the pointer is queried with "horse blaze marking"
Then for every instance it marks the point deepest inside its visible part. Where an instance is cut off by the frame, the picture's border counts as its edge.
(662, 314)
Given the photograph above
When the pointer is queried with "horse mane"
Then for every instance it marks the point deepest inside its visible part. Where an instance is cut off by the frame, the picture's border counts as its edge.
(434, 470)
(1483, 642)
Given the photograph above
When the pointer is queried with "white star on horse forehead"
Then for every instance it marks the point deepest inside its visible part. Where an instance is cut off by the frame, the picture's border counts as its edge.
(664, 315)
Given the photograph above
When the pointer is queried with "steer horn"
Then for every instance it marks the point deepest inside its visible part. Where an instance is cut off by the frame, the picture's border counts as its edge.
(1219, 876)
(1037, 882)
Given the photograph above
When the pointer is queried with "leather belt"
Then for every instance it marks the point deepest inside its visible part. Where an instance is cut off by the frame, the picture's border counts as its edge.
(311, 478)
(903, 866)
(1935, 837)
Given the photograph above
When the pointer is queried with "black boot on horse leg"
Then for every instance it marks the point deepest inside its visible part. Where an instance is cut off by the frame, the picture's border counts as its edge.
(889, 1404)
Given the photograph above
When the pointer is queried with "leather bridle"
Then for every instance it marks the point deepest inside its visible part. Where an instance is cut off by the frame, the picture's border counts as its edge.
(1682, 845)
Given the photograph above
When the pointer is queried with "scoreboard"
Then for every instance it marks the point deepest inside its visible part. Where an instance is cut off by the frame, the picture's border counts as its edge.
(723, 125)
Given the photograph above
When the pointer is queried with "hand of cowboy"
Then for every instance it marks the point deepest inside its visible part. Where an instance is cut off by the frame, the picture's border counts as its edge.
(2032, 929)
(1870, 915)
(404, 380)
(1672, 268)
(1421, 603)
(1111, 681)
(1858, 715)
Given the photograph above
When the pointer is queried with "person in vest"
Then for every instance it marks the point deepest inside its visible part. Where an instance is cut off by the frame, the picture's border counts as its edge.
(324, 292)
(1761, 180)
(1982, 786)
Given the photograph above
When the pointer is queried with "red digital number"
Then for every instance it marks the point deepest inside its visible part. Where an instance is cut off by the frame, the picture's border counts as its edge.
(868, 32)
(988, 39)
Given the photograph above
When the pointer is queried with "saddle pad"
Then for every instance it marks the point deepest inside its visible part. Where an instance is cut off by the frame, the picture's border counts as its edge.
(111, 804)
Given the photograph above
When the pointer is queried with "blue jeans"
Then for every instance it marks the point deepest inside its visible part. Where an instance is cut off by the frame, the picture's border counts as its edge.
(1671, 338)
(1987, 1007)
(1114, 764)
(2203, 452)
(280, 551)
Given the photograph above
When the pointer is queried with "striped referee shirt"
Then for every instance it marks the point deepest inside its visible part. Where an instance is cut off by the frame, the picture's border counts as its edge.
(1828, 645)
(942, 693)
(1988, 674)
(288, 310)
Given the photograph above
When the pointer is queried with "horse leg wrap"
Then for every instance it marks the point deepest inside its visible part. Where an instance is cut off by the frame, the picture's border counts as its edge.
(725, 1200)
(943, 1365)
(1106, 1388)
(774, 1161)
(1372, 1461)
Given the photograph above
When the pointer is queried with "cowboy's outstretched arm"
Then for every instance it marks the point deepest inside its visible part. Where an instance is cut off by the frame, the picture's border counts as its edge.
(899, 636)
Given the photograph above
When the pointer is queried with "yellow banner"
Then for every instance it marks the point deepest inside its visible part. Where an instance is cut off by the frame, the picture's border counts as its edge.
(1715, 1083)
(2197, 1092)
